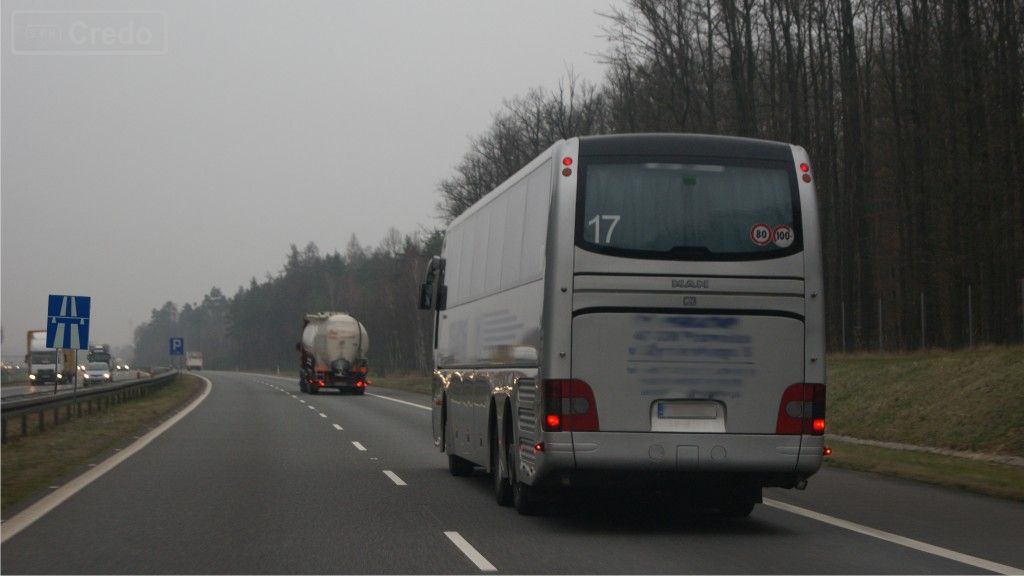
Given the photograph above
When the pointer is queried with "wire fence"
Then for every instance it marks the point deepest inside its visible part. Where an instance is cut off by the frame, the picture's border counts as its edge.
(926, 321)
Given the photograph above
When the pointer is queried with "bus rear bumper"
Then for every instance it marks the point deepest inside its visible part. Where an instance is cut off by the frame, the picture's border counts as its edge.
(665, 452)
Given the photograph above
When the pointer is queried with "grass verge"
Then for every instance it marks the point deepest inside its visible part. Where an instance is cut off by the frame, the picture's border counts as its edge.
(987, 478)
(28, 465)
(410, 383)
(970, 400)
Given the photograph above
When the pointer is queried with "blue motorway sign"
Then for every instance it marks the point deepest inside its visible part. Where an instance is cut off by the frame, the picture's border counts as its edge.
(67, 322)
(177, 346)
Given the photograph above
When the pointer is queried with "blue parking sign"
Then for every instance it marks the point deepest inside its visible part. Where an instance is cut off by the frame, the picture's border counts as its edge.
(67, 322)
(177, 346)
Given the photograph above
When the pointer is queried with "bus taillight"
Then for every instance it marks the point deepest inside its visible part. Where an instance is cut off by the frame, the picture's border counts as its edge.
(569, 406)
(802, 410)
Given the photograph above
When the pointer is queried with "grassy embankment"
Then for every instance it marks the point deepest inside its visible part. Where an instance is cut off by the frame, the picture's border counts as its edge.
(969, 400)
(29, 465)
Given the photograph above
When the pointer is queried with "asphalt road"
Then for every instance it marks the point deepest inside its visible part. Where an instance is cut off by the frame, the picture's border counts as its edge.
(262, 479)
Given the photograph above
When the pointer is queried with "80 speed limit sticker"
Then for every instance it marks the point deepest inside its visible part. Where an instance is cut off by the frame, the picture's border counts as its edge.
(761, 234)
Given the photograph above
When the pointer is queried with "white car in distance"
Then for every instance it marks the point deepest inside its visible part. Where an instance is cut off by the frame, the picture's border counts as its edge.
(96, 372)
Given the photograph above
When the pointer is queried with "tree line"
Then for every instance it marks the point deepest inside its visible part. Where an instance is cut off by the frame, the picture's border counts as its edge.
(260, 325)
(911, 110)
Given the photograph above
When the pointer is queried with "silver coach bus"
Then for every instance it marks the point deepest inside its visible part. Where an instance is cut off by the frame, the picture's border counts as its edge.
(635, 307)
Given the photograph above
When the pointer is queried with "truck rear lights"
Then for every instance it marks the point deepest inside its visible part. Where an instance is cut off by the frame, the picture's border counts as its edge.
(826, 451)
(569, 406)
(538, 447)
(802, 410)
(320, 383)
(360, 384)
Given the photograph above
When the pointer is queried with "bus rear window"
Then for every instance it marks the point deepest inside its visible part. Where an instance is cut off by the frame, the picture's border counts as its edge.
(688, 211)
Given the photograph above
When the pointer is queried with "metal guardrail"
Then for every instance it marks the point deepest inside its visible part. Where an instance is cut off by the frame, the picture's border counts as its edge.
(72, 404)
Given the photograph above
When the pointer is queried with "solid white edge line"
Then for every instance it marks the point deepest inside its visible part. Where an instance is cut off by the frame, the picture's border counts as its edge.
(394, 478)
(359, 446)
(413, 404)
(470, 552)
(28, 516)
(896, 539)
(338, 427)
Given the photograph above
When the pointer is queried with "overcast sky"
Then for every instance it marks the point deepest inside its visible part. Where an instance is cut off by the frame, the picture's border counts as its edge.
(234, 129)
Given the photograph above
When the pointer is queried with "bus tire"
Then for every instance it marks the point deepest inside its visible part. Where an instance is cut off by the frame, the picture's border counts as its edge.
(524, 498)
(737, 508)
(502, 486)
(313, 390)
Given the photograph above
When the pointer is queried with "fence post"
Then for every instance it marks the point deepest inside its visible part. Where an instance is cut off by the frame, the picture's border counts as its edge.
(924, 338)
(970, 318)
(842, 316)
(880, 347)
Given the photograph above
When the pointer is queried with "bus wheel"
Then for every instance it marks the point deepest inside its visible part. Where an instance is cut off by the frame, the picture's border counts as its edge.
(313, 389)
(737, 508)
(524, 498)
(502, 486)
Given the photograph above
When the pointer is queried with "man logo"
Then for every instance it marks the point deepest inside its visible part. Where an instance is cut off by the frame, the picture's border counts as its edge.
(690, 284)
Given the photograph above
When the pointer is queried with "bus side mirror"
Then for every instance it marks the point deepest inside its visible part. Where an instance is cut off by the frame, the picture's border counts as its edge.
(427, 296)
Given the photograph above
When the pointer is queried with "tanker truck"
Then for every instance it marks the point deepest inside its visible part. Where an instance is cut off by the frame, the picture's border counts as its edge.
(333, 353)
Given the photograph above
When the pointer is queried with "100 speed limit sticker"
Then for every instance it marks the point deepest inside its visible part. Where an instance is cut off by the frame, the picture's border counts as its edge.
(781, 235)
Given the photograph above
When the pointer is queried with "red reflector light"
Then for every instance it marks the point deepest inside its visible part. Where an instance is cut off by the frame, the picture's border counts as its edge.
(818, 425)
(807, 177)
(805, 168)
(566, 171)
(567, 161)
(827, 451)
(538, 447)
(553, 420)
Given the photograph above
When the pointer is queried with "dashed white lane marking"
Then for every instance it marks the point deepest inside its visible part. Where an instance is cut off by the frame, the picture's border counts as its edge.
(301, 400)
(311, 407)
(897, 539)
(322, 415)
(394, 478)
(338, 427)
(470, 552)
(414, 405)
(359, 446)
